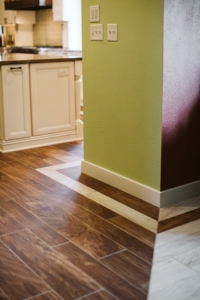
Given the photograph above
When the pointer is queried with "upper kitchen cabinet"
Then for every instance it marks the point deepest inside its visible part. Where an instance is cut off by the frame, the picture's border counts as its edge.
(6, 16)
(65, 10)
(58, 11)
(69, 12)
(15, 17)
(25, 17)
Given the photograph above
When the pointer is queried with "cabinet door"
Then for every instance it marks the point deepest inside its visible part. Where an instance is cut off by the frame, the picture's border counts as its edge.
(25, 17)
(1, 11)
(16, 101)
(10, 17)
(16, 17)
(57, 10)
(52, 93)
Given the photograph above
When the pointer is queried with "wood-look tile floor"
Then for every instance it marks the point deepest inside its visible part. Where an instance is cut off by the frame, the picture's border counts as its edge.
(58, 242)
(65, 235)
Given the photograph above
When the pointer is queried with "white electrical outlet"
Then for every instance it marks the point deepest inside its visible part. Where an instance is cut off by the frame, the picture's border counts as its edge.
(96, 32)
(112, 32)
(94, 13)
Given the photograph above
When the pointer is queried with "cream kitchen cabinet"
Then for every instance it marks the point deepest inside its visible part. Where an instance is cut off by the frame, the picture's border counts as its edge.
(39, 103)
(62, 9)
(53, 97)
(65, 10)
(15, 102)
(58, 10)
(6, 16)
(69, 12)
(16, 17)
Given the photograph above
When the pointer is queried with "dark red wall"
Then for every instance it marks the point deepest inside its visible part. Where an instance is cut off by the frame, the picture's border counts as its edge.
(180, 163)
(181, 153)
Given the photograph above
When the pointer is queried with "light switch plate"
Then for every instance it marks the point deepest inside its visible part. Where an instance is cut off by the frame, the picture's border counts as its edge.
(96, 32)
(95, 13)
(112, 32)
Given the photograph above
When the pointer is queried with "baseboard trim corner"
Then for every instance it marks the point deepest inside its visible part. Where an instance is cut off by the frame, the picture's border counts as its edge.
(180, 193)
(123, 183)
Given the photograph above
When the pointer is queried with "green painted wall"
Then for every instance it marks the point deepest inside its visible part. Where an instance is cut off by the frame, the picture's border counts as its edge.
(123, 90)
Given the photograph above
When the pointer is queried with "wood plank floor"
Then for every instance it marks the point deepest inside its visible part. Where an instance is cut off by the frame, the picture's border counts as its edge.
(65, 235)
(57, 243)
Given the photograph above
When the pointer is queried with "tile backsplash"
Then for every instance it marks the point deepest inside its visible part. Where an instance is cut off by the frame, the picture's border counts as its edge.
(46, 32)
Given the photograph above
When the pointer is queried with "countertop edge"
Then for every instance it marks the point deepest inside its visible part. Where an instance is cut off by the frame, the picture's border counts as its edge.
(38, 60)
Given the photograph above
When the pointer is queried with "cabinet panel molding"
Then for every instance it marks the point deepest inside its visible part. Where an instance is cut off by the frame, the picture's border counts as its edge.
(52, 93)
(16, 101)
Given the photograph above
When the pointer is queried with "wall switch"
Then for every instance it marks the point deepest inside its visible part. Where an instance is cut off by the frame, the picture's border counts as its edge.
(96, 32)
(112, 32)
(95, 13)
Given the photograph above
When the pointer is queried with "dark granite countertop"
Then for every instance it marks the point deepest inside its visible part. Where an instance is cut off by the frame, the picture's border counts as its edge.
(19, 58)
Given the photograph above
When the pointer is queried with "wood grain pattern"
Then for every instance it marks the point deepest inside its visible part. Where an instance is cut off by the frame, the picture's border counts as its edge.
(33, 174)
(131, 267)
(59, 154)
(101, 187)
(12, 172)
(93, 207)
(48, 296)
(26, 197)
(102, 295)
(113, 283)
(37, 152)
(16, 279)
(138, 204)
(72, 147)
(135, 230)
(121, 237)
(29, 160)
(8, 190)
(8, 224)
(3, 295)
(67, 280)
(3, 196)
(48, 214)
(63, 195)
(5, 157)
(28, 220)
(178, 220)
(88, 239)
(33, 195)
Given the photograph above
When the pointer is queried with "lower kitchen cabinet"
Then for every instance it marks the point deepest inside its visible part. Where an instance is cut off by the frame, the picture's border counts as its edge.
(39, 104)
(15, 102)
(53, 99)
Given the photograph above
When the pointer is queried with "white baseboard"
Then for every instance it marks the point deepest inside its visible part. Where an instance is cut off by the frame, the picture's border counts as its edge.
(180, 193)
(143, 192)
(125, 184)
(79, 131)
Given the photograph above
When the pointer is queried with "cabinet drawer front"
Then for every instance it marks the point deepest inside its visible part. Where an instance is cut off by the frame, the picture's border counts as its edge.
(16, 101)
(52, 93)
